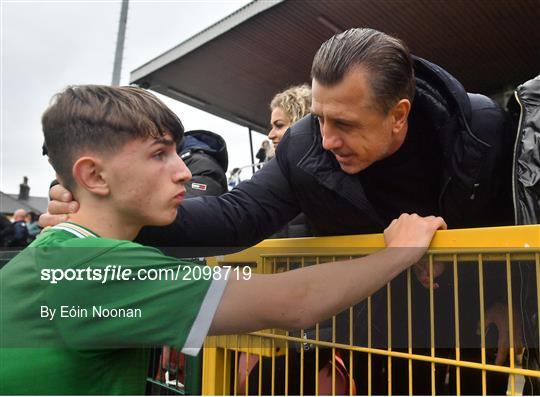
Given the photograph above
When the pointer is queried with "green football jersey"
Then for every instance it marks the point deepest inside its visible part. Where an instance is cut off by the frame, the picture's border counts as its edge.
(79, 312)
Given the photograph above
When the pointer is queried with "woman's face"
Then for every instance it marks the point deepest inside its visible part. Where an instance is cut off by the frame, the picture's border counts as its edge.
(279, 122)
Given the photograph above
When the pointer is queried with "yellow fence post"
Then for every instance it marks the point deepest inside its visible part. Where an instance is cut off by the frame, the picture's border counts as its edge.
(212, 381)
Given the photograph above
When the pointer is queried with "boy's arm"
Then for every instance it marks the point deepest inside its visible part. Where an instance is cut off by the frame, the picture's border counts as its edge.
(302, 297)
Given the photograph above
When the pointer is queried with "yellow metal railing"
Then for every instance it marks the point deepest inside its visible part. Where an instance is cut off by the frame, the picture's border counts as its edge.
(486, 249)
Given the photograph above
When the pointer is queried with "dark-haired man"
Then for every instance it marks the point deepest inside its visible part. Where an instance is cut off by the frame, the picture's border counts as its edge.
(389, 133)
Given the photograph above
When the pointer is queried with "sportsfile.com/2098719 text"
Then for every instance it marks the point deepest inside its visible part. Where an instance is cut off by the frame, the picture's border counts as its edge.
(122, 273)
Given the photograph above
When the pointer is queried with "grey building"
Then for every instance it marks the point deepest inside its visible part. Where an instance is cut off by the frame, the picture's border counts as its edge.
(9, 203)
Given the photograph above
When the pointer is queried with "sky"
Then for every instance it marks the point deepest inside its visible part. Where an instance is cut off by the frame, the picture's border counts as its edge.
(47, 45)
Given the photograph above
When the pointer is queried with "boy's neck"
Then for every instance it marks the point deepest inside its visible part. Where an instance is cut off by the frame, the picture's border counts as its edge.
(105, 221)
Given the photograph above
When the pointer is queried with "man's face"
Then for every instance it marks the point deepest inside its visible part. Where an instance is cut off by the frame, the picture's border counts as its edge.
(352, 127)
(146, 180)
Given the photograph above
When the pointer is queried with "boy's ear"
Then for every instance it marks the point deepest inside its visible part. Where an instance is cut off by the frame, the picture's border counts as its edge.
(87, 172)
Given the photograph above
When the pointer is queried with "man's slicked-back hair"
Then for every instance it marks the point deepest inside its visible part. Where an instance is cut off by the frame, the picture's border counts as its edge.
(385, 58)
(102, 119)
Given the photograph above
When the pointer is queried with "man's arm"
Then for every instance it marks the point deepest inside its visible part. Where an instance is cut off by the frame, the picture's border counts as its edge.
(252, 211)
(302, 297)
(248, 214)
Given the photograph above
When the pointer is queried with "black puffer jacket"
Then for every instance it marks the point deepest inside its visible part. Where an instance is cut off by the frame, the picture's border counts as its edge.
(305, 178)
(205, 154)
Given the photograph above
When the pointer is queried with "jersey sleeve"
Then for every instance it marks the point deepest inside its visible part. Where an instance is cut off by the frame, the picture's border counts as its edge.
(135, 296)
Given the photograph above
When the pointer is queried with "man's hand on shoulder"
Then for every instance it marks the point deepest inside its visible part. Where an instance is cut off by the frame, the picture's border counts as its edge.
(59, 208)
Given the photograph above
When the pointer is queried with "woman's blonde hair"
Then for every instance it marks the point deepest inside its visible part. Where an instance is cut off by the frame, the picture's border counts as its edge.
(295, 101)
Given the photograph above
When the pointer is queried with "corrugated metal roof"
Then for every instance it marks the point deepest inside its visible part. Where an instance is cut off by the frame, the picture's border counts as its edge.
(234, 68)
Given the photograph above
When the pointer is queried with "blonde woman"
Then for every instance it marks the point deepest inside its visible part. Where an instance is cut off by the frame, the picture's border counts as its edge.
(287, 108)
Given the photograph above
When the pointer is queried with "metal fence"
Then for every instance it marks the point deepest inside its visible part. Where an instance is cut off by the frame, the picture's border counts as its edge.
(405, 339)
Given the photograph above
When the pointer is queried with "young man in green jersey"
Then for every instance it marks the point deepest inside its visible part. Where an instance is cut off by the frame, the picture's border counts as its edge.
(88, 301)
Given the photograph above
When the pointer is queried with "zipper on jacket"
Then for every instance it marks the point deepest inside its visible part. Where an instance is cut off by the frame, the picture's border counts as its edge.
(514, 175)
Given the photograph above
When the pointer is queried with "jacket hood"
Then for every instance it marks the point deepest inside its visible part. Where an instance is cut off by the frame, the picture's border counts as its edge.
(208, 142)
(439, 91)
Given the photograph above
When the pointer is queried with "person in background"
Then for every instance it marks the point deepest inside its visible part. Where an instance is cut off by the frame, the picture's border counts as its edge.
(32, 225)
(265, 153)
(16, 234)
(234, 178)
(4, 223)
(288, 107)
(205, 154)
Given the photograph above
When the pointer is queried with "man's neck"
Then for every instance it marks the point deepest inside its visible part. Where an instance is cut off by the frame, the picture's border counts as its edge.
(105, 221)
